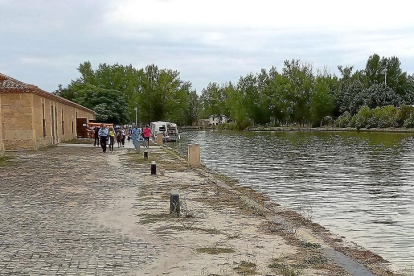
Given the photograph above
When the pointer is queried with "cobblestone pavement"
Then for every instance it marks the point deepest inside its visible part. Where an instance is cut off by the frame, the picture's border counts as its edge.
(47, 203)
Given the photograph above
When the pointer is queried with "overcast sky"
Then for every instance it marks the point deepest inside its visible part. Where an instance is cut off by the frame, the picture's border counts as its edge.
(43, 42)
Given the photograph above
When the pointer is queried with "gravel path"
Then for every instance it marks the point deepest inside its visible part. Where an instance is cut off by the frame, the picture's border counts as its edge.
(48, 202)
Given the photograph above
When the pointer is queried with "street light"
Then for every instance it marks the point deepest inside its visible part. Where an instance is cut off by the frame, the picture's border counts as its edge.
(385, 73)
(136, 116)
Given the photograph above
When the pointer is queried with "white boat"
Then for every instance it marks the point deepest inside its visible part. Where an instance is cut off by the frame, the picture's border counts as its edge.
(169, 130)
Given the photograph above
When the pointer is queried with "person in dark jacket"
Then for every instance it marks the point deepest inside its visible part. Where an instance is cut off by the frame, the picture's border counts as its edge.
(96, 143)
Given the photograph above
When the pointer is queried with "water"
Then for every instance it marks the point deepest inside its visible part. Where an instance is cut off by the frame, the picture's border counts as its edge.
(358, 185)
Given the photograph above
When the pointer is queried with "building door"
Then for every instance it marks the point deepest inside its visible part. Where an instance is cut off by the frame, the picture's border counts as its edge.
(81, 127)
(56, 125)
(53, 125)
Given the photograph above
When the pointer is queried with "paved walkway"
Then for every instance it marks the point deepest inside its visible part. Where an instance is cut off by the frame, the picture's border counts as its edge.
(48, 204)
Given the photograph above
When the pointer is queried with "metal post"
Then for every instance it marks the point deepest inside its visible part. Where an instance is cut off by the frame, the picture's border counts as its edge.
(136, 116)
(153, 168)
(175, 203)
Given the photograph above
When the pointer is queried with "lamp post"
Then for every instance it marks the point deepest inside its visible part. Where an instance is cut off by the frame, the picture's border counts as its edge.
(385, 73)
(136, 116)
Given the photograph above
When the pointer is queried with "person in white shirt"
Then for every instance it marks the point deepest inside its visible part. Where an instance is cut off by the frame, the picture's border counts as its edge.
(103, 134)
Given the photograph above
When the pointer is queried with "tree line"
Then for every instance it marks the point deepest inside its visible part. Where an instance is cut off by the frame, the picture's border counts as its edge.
(297, 94)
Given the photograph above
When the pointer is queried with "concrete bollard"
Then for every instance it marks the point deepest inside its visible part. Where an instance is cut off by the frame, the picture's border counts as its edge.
(194, 158)
(153, 168)
(146, 155)
(175, 203)
(159, 139)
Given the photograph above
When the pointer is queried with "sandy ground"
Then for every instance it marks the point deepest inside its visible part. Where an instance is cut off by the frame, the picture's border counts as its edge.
(223, 229)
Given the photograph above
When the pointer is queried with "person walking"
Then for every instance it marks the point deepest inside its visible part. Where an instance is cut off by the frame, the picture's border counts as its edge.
(146, 133)
(96, 136)
(118, 137)
(103, 135)
(111, 139)
(123, 137)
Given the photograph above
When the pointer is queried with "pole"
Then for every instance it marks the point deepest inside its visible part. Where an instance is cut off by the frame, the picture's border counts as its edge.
(136, 116)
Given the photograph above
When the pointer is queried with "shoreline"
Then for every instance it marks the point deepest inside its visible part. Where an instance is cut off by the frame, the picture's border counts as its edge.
(224, 228)
(308, 129)
(295, 228)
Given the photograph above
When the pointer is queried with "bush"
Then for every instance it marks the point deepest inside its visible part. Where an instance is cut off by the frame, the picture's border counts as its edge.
(362, 118)
(343, 120)
(246, 123)
(405, 112)
(409, 122)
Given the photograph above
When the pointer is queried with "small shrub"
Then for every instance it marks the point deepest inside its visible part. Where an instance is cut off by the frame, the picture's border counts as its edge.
(246, 268)
(409, 122)
(343, 120)
(362, 117)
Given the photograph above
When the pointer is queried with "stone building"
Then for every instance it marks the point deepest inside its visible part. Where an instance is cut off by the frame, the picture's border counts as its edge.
(31, 118)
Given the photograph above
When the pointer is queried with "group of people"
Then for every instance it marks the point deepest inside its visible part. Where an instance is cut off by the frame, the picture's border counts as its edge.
(106, 136)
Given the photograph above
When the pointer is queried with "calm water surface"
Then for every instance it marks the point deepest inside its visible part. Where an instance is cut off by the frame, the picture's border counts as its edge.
(359, 185)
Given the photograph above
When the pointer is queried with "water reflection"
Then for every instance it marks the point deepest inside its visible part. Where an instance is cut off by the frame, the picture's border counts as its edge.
(359, 185)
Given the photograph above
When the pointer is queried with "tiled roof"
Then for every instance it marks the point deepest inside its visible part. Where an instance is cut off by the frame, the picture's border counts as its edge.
(10, 85)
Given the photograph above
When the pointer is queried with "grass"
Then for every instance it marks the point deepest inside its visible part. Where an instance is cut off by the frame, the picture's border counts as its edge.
(163, 160)
(204, 230)
(215, 250)
(309, 245)
(154, 218)
(246, 268)
(285, 269)
(4, 160)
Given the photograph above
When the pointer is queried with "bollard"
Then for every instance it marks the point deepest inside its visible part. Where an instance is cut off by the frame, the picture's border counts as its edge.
(153, 168)
(194, 158)
(175, 203)
(146, 155)
(159, 139)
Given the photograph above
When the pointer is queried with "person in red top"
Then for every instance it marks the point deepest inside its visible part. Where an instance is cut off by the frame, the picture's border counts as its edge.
(146, 133)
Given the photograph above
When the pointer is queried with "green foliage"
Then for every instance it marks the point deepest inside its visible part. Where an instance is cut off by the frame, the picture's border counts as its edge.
(114, 91)
(109, 104)
(409, 122)
(362, 117)
(295, 95)
(379, 117)
(322, 102)
(344, 120)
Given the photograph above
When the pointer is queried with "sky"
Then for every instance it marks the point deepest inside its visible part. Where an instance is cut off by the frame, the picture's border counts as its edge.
(42, 42)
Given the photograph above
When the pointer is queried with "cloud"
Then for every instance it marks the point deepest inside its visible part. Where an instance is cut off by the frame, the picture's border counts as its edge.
(352, 14)
(43, 41)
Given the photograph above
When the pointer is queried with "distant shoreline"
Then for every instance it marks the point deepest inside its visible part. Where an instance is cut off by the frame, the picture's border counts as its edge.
(310, 129)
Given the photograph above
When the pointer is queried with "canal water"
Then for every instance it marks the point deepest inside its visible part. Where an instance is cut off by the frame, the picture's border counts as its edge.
(357, 184)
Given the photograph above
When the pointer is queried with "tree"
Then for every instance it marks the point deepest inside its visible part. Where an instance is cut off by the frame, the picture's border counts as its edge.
(299, 91)
(109, 105)
(322, 102)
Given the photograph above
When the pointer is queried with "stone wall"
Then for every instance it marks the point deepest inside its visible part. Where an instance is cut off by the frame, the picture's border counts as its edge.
(22, 121)
(59, 121)
(1, 132)
(18, 132)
